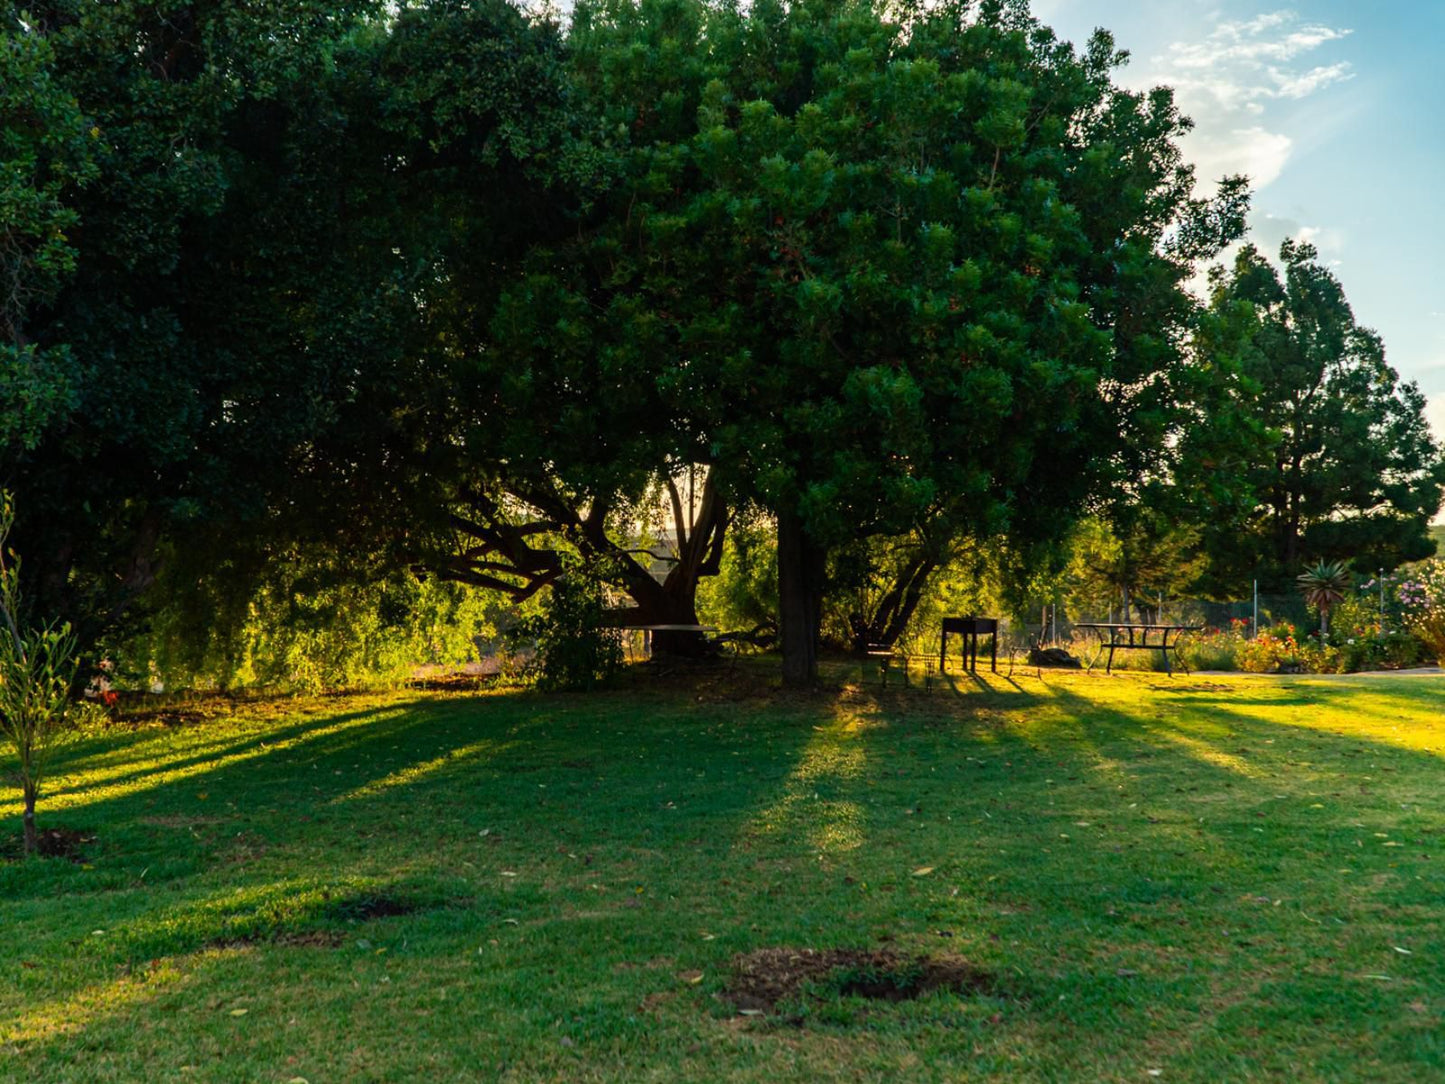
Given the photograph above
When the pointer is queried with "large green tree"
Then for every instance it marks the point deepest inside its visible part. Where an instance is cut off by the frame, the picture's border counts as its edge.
(895, 260)
(153, 380)
(248, 319)
(1312, 447)
(45, 158)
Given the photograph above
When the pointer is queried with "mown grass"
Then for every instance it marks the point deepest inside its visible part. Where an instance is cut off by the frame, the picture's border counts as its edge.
(1203, 879)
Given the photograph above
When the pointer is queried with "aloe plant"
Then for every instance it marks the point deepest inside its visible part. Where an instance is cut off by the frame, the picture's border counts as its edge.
(1323, 586)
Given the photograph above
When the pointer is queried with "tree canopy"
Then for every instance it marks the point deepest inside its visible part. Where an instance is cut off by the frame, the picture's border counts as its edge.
(241, 225)
(360, 285)
(895, 265)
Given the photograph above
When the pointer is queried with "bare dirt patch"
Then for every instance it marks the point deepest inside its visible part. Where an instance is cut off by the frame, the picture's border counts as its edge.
(68, 843)
(303, 939)
(364, 906)
(452, 683)
(763, 979)
(171, 717)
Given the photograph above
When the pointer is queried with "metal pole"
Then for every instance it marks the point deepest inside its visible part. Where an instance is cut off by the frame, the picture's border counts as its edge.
(1380, 575)
(1254, 622)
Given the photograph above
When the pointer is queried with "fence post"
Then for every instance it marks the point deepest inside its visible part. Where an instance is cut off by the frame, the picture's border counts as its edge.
(1380, 575)
(1254, 621)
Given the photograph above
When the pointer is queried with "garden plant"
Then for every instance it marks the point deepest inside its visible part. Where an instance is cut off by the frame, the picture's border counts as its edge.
(37, 674)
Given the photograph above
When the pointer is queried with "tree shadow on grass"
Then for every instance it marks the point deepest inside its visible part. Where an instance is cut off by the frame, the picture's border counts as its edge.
(78, 763)
(1115, 831)
(754, 821)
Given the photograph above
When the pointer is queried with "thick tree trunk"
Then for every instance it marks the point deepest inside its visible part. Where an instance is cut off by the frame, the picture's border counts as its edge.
(800, 597)
(522, 559)
(32, 837)
(674, 600)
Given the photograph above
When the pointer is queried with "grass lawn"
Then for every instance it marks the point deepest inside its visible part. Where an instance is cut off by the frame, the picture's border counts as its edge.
(1197, 878)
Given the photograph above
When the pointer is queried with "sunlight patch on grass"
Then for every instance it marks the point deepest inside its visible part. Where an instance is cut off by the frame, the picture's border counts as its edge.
(158, 757)
(414, 773)
(1376, 717)
(833, 754)
(1207, 752)
(73, 1013)
(83, 789)
(230, 914)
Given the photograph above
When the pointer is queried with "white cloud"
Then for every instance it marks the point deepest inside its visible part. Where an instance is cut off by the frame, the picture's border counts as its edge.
(1236, 79)
(1252, 150)
(1254, 43)
(1301, 86)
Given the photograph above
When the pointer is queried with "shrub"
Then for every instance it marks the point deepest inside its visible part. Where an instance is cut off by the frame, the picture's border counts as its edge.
(744, 593)
(1319, 657)
(305, 624)
(37, 671)
(1357, 617)
(1401, 649)
(574, 651)
(1430, 628)
(1214, 649)
(1271, 652)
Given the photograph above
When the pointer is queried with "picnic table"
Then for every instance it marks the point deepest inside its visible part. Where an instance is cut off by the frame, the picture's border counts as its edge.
(648, 630)
(1131, 636)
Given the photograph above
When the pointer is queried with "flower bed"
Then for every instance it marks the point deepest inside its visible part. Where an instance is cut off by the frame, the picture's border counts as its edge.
(1386, 624)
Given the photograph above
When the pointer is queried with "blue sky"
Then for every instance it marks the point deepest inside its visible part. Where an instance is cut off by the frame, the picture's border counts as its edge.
(1337, 113)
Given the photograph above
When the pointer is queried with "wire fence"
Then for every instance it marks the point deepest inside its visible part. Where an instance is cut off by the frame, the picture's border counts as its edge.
(1058, 626)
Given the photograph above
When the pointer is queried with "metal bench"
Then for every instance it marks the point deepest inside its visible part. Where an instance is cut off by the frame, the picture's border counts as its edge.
(1138, 637)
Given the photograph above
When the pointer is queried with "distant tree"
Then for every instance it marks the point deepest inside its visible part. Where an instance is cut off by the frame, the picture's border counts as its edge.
(1130, 564)
(1330, 456)
(881, 581)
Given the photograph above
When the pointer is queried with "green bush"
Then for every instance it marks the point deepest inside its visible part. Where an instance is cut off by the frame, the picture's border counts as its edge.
(1270, 652)
(1277, 651)
(1356, 618)
(573, 650)
(306, 625)
(37, 670)
(1430, 628)
(1316, 657)
(1422, 599)
(744, 593)
(1213, 649)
